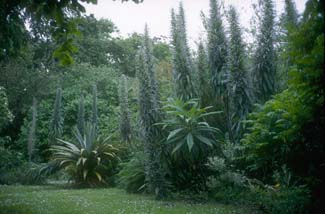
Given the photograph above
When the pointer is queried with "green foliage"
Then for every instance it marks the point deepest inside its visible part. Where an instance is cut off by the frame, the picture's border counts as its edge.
(89, 161)
(273, 130)
(189, 143)
(9, 160)
(132, 174)
(5, 114)
(189, 134)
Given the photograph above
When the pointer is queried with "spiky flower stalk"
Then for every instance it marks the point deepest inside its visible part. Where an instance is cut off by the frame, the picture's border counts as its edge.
(125, 121)
(204, 89)
(147, 45)
(149, 115)
(264, 59)
(217, 48)
(56, 127)
(81, 116)
(239, 93)
(32, 131)
(94, 115)
(290, 15)
(182, 64)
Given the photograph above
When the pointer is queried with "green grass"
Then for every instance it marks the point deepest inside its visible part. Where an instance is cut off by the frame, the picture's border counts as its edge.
(58, 200)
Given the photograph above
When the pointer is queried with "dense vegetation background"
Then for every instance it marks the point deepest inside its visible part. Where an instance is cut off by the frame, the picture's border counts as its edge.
(232, 121)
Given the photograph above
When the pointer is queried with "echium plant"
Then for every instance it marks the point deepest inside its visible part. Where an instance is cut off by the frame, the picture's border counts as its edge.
(217, 47)
(56, 126)
(264, 57)
(32, 131)
(125, 121)
(238, 87)
(150, 134)
(94, 113)
(182, 63)
(81, 116)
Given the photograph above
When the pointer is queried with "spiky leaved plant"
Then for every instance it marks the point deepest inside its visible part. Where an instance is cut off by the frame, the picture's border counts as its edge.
(89, 160)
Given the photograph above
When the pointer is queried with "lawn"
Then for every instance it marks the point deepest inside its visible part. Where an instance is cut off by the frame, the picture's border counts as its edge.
(59, 200)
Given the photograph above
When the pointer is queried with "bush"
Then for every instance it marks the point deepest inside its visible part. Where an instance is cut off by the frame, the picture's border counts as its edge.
(189, 142)
(132, 175)
(89, 161)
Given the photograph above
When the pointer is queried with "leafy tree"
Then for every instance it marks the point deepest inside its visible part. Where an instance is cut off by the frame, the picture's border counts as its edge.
(81, 116)
(287, 130)
(264, 58)
(217, 47)
(57, 14)
(239, 94)
(125, 120)
(149, 115)
(56, 128)
(182, 65)
(95, 42)
(32, 130)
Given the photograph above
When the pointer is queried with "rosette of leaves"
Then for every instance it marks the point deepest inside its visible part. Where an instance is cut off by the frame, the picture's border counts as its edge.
(89, 161)
(189, 133)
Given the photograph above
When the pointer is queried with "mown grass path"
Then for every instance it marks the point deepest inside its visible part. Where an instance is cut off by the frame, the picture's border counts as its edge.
(56, 200)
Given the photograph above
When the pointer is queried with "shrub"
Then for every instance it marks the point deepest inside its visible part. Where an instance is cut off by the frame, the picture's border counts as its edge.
(132, 174)
(89, 161)
(190, 141)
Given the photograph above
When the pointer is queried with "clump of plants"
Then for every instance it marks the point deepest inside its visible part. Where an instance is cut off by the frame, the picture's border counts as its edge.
(88, 160)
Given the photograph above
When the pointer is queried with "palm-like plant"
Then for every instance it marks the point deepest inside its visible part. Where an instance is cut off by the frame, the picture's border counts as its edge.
(89, 161)
(188, 131)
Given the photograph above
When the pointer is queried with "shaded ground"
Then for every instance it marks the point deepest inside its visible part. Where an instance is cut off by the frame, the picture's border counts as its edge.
(56, 200)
